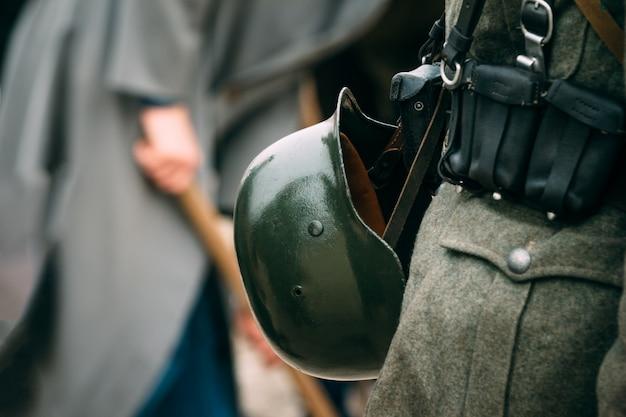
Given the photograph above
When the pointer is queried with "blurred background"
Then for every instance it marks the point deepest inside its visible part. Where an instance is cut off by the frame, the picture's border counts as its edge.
(109, 110)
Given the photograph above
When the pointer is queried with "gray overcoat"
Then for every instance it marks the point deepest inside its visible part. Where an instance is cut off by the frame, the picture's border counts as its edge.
(127, 266)
(117, 266)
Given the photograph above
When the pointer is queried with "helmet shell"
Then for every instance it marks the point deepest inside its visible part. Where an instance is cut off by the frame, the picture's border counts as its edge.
(324, 287)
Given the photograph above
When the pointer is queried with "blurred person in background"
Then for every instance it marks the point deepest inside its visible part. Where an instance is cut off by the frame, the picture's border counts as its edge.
(99, 95)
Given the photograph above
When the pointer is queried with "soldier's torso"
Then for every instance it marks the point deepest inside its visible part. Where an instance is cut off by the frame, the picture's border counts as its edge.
(505, 312)
(575, 52)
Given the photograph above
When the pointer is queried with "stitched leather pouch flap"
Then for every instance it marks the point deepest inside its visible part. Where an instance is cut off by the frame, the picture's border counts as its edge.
(590, 109)
(506, 85)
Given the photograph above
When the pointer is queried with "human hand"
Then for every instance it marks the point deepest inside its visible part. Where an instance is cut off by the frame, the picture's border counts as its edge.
(169, 153)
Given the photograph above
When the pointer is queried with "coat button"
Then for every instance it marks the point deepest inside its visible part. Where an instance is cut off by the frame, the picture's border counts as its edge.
(519, 260)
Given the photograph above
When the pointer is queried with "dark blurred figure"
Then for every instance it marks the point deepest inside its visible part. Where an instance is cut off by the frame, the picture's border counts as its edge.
(367, 65)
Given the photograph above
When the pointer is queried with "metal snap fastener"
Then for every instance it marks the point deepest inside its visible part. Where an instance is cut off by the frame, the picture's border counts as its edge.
(296, 291)
(418, 106)
(316, 228)
(519, 260)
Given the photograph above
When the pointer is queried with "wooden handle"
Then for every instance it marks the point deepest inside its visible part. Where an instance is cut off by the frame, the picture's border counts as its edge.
(315, 398)
(204, 217)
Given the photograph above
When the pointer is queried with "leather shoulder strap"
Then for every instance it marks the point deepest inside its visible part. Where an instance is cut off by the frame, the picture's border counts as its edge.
(460, 37)
(604, 25)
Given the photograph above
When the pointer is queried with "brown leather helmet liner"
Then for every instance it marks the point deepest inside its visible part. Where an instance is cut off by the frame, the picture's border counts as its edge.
(361, 189)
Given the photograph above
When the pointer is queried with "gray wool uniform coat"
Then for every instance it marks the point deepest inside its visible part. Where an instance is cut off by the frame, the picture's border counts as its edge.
(117, 265)
(476, 337)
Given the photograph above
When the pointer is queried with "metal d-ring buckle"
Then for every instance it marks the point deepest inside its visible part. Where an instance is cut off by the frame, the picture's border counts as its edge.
(456, 80)
(533, 37)
(534, 58)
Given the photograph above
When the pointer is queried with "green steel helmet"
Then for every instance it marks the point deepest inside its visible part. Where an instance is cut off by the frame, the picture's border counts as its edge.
(324, 286)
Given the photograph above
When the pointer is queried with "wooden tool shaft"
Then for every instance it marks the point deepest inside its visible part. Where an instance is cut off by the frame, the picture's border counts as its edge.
(205, 218)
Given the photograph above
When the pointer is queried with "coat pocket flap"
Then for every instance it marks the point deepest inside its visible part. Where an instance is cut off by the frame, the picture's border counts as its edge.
(524, 245)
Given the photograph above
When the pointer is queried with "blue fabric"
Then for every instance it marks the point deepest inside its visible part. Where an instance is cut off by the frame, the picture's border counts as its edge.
(338, 393)
(158, 101)
(198, 381)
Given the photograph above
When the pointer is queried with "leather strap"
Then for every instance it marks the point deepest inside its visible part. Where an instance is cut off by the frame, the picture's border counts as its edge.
(466, 128)
(493, 117)
(417, 172)
(604, 25)
(570, 149)
(443, 168)
(460, 37)
(432, 47)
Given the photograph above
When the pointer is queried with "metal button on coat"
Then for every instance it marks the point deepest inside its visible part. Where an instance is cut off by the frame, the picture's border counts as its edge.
(519, 260)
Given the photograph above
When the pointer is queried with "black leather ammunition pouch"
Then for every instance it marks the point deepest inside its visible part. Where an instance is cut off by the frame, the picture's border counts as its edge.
(494, 122)
(575, 151)
(552, 145)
